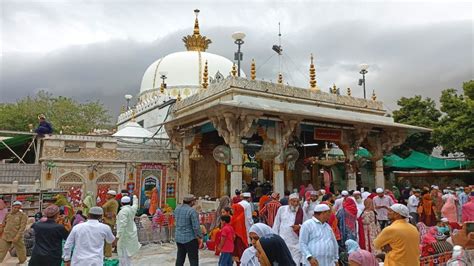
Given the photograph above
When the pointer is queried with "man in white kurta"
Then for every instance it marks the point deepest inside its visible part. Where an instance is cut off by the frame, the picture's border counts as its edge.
(88, 241)
(284, 226)
(127, 237)
(308, 206)
(247, 210)
(359, 202)
(317, 241)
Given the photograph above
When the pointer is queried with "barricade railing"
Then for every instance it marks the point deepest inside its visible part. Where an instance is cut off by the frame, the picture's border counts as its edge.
(160, 229)
(436, 260)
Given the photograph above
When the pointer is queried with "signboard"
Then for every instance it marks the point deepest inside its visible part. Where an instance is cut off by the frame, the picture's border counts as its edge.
(334, 135)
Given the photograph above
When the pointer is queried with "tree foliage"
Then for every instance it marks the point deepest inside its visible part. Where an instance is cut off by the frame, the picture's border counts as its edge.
(64, 113)
(456, 128)
(421, 112)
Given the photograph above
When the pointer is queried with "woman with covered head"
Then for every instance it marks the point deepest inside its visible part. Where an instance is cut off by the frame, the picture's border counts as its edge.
(88, 203)
(371, 228)
(272, 250)
(258, 230)
(358, 256)
(238, 223)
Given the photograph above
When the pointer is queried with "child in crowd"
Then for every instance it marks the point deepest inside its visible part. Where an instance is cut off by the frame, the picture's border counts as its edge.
(226, 245)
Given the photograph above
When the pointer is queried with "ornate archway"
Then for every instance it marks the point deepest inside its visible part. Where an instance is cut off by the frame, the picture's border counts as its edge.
(73, 183)
(105, 183)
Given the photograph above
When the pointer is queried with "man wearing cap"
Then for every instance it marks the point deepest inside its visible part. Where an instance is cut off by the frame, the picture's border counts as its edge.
(88, 241)
(317, 242)
(287, 224)
(340, 200)
(48, 239)
(269, 211)
(110, 208)
(127, 238)
(413, 202)
(308, 206)
(382, 203)
(44, 126)
(188, 232)
(359, 202)
(13, 229)
(400, 241)
(245, 203)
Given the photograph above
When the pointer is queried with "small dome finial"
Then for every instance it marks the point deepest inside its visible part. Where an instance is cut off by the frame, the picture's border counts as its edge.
(133, 116)
(253, 71)
(234, 71)
(374, 97)
(280, 78)
(349, 93)
(334, 88)
(196, 22)
(179, 97)
(312, 76)
(205, 82)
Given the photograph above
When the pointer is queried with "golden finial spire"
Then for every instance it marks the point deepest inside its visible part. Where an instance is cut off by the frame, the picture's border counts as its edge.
(253, 71)
(162, 88)
(122, 109)
(280, 78)
(234, 71)
(133, 116)
(349, 93)
(312, 76)
(374, 97)
(334, 88)
(179, 97)
(205, 77)
(196, 42)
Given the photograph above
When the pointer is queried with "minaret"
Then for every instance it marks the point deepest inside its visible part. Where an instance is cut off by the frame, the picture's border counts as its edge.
(205, 78)
(253, 71)
(312, 76)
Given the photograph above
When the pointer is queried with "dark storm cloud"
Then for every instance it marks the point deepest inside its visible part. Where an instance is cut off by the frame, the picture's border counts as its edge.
(404, 61)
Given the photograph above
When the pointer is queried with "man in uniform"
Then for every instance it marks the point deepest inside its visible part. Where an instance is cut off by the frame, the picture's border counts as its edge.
(110, 208)
(13, 229)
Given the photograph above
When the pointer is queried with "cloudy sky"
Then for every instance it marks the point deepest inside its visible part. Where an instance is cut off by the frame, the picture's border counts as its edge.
(100, 49)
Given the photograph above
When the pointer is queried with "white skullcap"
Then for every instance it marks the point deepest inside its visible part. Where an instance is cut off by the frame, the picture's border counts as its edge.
(401, 209)
(432, 186)
(356, 192)
(436, 187)
(379, 190)
(344, 193)
(112, 192)
(125, 199)
(294, 196)
(444, 220)
(96, 210)
(313, 193)
(323, 191)
(246, 195)
(17, 203)
(321, 208)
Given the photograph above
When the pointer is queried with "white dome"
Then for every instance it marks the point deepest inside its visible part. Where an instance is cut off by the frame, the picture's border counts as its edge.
(133, 132)
(184, 70)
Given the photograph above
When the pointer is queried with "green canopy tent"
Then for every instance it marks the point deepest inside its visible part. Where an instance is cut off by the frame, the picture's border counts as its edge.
(16, 143)
(424, 161)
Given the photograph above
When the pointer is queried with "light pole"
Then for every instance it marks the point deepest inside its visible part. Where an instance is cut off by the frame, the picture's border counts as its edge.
(128, 97)
(363, 71)
(239, 40)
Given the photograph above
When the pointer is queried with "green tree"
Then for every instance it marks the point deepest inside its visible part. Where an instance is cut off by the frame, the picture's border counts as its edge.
(64, 113)
(456, 128)
(421, 112)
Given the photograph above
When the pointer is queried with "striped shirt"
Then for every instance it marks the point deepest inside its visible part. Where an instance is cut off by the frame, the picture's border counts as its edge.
(187, 224)
(317, 240)
(269, 211)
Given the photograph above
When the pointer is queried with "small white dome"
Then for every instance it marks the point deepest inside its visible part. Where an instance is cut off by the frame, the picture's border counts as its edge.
(184, 70)
(133, 132)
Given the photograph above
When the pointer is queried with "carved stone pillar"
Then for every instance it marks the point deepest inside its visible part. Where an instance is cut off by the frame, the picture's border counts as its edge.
(236, 161)
(350, 143)
(184, 180)
(278, 164)
(379, 176)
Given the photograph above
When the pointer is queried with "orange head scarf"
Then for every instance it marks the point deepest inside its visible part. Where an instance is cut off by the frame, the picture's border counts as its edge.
(369, 205)
(238, 223)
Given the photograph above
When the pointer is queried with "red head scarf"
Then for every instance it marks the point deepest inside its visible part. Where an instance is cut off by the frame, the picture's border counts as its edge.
(238, 223)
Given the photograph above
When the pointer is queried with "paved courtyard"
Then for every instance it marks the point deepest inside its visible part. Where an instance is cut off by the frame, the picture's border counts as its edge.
(153, 254)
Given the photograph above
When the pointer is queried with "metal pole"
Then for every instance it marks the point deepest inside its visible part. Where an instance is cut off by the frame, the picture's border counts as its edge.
(238, 61)
(363, 79)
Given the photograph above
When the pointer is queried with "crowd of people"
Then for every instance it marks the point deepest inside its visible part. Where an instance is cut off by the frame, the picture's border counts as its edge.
(317, 227)
(307, 227)
(62, 237)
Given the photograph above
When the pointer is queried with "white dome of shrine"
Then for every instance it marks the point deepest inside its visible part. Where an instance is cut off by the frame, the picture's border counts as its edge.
(184, 70)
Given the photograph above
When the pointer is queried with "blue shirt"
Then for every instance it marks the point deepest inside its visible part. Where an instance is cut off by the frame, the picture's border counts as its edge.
(187, 224)
(317, 240)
